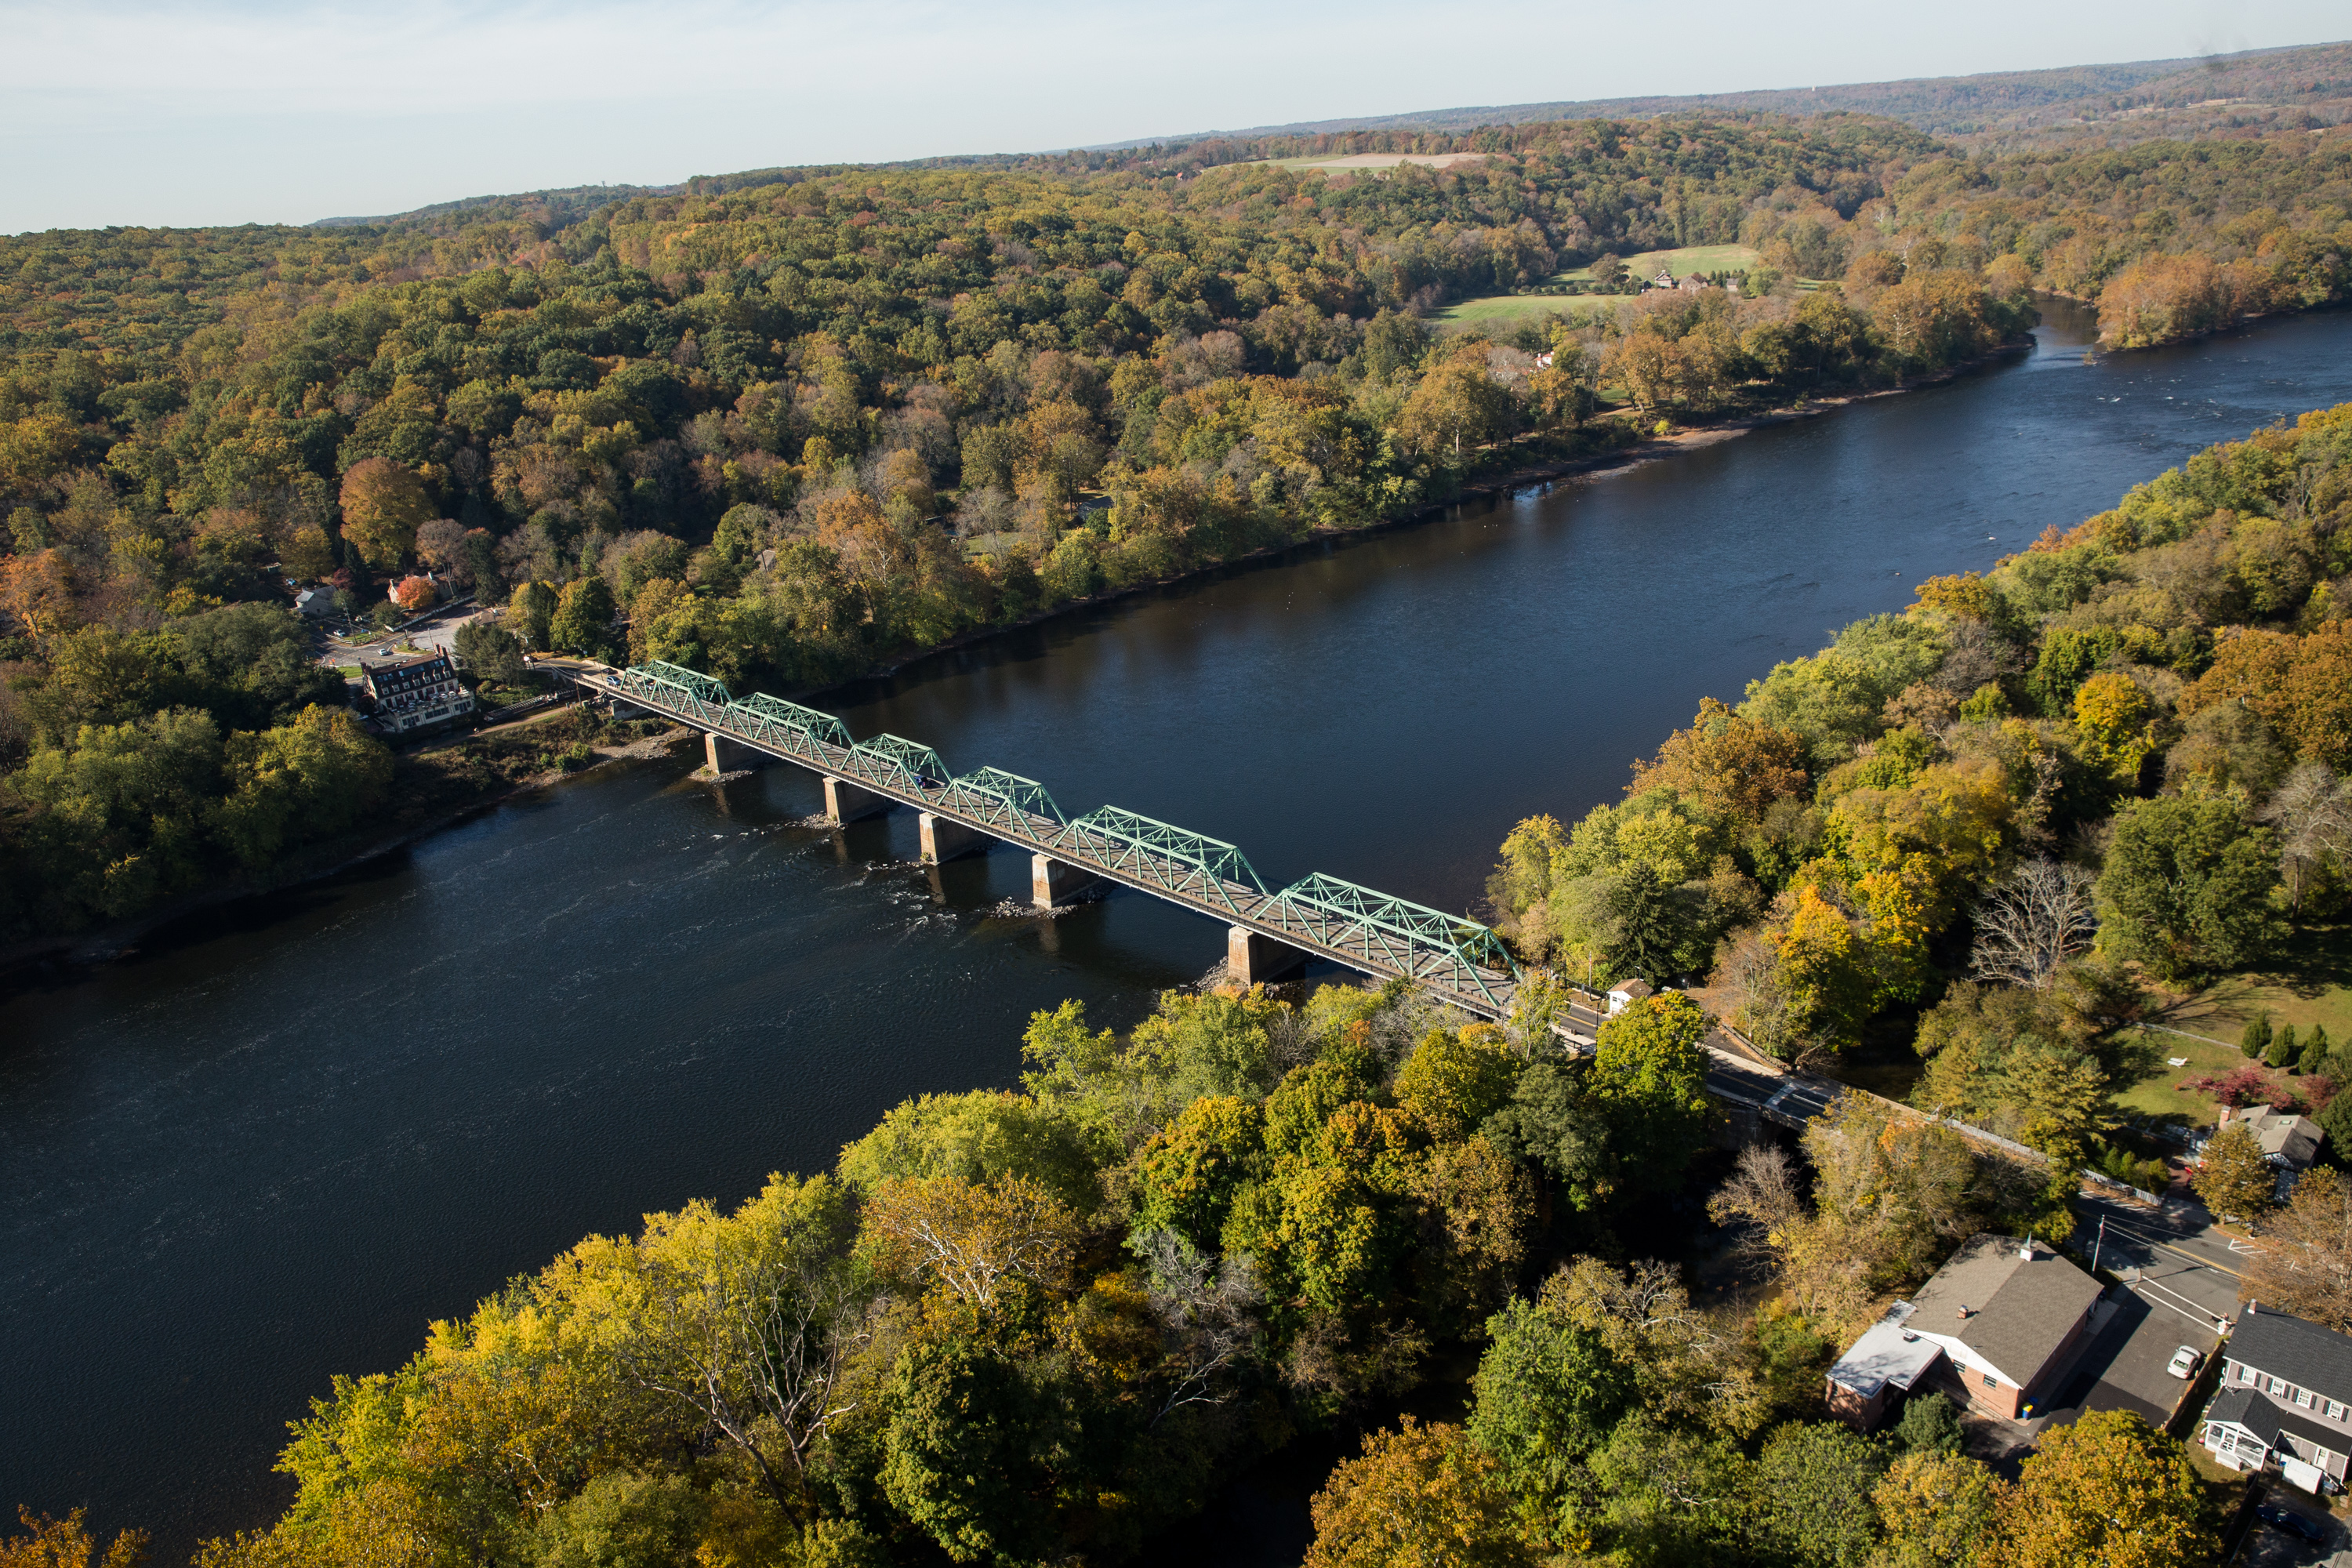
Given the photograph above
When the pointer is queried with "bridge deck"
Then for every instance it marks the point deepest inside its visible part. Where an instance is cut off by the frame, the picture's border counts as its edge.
(898, 771)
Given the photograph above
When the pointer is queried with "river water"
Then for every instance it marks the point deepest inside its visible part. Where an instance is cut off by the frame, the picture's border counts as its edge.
(285, 1139)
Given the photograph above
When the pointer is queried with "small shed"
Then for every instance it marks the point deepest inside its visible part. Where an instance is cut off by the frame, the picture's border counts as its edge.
(1625, 994)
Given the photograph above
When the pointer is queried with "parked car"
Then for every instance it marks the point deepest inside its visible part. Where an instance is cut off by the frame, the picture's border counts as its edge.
(2185, 1362)
(2288, 1520)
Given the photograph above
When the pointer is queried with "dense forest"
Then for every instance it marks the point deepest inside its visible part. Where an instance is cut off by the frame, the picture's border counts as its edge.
(2115, 759)
(1045, 1325)
(780, 426)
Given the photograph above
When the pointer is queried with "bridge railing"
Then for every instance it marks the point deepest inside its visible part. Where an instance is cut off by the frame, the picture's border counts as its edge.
(678, 688)
(899, 762)
(1384, 929)
(1173, 859)
(775, 721)
(1006, 802)
(1376, 931)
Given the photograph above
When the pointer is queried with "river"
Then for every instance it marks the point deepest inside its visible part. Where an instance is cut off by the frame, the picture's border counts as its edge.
(288, 1136)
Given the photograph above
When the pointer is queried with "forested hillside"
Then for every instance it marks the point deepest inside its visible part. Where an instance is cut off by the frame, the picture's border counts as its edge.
(2296, 87)
(2114, 761)
(1046, 1326)
(782, 426)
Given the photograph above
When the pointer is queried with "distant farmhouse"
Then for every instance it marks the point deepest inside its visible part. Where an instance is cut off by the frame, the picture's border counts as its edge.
(416, 693)
(2005, 1317)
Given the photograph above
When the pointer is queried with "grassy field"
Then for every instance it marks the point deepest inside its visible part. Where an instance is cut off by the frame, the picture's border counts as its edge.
(2155, 1097)
(1696, 258)
(1501, 312)
(1504, 311)
(2312, 984)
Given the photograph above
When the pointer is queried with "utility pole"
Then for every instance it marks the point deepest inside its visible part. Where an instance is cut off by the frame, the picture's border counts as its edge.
(2098, 1244)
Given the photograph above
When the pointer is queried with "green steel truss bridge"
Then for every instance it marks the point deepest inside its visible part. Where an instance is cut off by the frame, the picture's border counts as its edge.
(1461, 962)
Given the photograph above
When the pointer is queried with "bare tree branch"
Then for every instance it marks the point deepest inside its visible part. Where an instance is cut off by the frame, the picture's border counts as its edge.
(2031, 921)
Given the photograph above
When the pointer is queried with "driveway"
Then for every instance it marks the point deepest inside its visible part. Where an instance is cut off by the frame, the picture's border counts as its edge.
(2123, 1367)
(2268, 1546)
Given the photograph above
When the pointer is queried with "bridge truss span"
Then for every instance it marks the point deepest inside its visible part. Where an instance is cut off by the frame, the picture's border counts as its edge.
(1456, 958)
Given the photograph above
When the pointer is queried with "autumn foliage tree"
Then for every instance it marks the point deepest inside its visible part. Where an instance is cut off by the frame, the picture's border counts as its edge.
(67, 1543)
(2106, 1490)
(384, 506)
(1420, 1495)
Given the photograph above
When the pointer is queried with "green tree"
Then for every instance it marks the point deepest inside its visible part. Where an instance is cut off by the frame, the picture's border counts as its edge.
(2315, 1056)
(1187, 1177)
(583, 622)
(252, 665)
(1453, 1082)
(490, 653)
(2236, 1181)
(1548, 1392)
(1936, 1507)
(2186, 887)
(534, 614)
(122, 810)
(1812, 1493)
(1420, 1496)
(1648, 1083)
(319, 775)
(1930, 1425)
(2284, 1053)
(625, 1519)
(2255, 1043)
(965, 1445)
(977, 1138)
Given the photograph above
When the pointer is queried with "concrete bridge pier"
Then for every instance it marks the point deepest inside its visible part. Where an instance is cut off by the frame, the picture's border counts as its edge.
(944, 838)
(726, 754)
(1053, 883)
(845, 802)
(1255, 959)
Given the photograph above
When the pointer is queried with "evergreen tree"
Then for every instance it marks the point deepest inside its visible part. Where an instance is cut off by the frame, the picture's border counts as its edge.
(2256, 1041)
(2284, 1051)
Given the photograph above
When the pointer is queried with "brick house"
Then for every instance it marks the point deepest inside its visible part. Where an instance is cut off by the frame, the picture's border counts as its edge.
(2285, 1397)
(413, 693)
(2009, 1317)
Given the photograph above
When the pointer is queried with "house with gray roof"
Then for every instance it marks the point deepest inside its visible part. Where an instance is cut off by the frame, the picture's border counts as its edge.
(2007, 1315)
(2285, 1400)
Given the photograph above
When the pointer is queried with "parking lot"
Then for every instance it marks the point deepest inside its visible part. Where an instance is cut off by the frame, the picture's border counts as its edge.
(2123, 1367)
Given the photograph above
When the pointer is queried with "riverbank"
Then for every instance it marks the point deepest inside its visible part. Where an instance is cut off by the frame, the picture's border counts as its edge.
(1639, 446)
(447, 796)
(449, 802)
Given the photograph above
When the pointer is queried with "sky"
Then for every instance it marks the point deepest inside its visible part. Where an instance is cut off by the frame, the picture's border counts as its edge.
(215, 112)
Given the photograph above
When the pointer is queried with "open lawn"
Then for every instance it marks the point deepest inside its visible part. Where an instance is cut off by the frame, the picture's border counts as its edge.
(1694, 258)
(1503, 312)
(2311, 983)
(2155, 1098)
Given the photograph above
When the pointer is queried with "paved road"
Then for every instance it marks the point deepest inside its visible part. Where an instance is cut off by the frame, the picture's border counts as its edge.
(2172, 1256)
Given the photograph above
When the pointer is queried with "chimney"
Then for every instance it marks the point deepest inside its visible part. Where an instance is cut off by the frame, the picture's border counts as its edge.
(2025, 1253)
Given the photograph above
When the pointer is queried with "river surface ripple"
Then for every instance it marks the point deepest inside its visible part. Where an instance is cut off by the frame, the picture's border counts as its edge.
(283, 1140)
